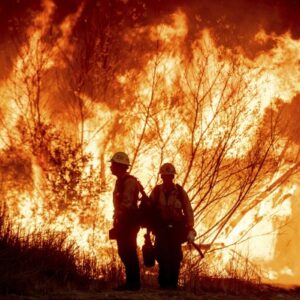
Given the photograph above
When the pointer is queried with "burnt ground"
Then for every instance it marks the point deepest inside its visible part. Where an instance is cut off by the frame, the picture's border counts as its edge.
(155, 294)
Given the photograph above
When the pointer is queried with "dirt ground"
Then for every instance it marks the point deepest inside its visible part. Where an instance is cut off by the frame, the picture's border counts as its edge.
(153, 294)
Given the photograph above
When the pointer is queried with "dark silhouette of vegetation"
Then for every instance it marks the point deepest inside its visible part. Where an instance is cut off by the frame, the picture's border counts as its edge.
(39, 262)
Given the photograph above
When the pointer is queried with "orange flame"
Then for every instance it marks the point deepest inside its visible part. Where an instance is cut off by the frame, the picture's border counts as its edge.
(252, 85)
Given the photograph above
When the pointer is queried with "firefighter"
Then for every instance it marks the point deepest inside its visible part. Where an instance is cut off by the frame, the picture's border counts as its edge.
(126, 227)
(173, 224)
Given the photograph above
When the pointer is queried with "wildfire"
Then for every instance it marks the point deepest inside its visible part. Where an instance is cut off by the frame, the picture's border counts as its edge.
(202, 107)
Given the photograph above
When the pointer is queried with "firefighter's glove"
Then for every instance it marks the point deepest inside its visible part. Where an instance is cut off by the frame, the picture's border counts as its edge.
(191, 235)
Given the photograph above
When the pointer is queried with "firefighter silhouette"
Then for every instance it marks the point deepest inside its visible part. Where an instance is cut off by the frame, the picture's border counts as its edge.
(172, 225)
(126, 226)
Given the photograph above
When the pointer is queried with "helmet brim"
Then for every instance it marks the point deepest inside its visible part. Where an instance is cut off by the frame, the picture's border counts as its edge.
(119, 163)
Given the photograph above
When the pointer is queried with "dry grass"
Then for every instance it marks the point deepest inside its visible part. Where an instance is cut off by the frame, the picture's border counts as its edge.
(43, 264)
(238, 277)
(39, 262)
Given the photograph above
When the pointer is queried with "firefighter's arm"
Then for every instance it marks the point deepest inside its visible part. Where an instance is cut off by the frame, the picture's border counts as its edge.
(188, 210)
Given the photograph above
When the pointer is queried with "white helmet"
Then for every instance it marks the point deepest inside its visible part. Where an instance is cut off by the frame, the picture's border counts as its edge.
(120, 158)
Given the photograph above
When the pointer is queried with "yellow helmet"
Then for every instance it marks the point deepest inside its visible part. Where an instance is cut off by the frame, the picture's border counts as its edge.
(120, 158)
(167, 169)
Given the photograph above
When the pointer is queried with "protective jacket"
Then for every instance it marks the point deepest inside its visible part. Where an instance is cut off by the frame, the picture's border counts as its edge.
(172, 206)
(125, 197)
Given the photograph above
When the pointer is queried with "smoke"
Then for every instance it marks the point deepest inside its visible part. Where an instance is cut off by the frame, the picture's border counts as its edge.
(233, 23)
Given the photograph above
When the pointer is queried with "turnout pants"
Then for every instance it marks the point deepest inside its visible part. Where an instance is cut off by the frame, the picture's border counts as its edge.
(127, 250)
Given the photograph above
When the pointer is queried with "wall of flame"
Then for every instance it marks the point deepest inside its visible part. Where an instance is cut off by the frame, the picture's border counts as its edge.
(112, 82)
